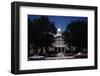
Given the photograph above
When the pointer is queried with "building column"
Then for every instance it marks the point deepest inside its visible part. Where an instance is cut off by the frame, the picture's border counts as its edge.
(57, 50)
(64, 50)
(61, 50)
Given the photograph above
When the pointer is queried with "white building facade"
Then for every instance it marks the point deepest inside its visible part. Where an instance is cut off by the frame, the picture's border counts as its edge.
(59, 43)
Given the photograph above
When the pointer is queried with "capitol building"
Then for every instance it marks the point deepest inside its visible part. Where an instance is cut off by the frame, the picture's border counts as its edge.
(59, 43)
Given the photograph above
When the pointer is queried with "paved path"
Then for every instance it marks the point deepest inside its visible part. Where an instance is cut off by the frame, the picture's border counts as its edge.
(56, 58)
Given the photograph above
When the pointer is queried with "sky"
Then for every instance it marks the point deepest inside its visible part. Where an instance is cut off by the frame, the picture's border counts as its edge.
(60, 21)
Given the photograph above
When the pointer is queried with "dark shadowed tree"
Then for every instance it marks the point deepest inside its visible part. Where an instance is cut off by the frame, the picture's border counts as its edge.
(76, 34)
(40, 32)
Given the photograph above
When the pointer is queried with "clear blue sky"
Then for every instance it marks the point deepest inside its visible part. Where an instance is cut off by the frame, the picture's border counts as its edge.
(60, 21)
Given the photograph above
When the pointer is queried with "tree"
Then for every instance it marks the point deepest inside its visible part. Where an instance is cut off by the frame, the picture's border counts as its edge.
(40, 32)
(76, 34)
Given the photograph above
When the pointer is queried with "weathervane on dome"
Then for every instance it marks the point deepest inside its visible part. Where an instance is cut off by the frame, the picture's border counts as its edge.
(59, 29)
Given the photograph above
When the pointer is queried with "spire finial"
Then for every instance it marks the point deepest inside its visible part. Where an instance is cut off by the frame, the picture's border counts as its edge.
(59, 30)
